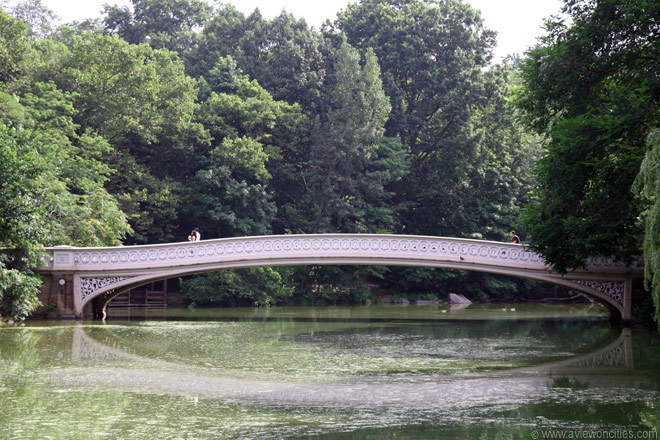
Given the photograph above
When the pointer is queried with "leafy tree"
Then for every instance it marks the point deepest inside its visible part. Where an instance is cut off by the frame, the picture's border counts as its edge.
(18, 293)
(25, 177)
(142, 103)
(23, 224)
(164, 24)
(648, 184)
(80, 211)
(71, 33)
(591, 88)
(235, 106)
(151, 204)
(257, 286)
(13, 46)
(479, 196)
(125, 92)
(225, 206)
(283, 55)
(37, 16)
(230, 193)
(431, 54)
(220, 38)
(341, 179)
(49, 125)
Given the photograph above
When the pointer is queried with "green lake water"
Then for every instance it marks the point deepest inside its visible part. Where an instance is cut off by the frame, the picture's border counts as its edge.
(416, 372)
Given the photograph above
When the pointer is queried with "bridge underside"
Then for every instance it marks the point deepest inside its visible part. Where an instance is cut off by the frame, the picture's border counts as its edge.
(107, 286)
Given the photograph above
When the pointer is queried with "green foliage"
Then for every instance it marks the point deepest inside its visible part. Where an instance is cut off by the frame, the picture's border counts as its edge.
(344, 146)
(235, 106)
(93, 220)
(140, 103)
(13, 46)
(79, 211)
(229, 193)
(428, 51)
(151, 205)
(22, 225)
(23, 222)
(257, 286)
(244, 156)
(284, 55)
(126, 91)
(49, 126)
(225, 206)
(18, 293)
(591, 88)
(648, 185)
(164, 24)
(36, 16)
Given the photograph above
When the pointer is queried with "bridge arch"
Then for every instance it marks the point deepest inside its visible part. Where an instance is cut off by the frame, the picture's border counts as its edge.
(101, 273)
(97, 303)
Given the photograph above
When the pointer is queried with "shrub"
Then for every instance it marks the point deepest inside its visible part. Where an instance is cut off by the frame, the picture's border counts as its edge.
(18, 293)
(258, 286)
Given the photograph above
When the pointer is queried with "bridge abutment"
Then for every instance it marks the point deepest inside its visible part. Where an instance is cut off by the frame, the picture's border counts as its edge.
(57, 297)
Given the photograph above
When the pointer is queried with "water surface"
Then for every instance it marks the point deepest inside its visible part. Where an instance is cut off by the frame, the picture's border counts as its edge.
(334, 372)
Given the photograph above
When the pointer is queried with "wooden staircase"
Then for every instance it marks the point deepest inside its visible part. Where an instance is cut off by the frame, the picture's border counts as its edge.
(150, 296)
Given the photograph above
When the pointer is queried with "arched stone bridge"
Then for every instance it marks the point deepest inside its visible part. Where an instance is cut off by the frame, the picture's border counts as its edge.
(81, 281)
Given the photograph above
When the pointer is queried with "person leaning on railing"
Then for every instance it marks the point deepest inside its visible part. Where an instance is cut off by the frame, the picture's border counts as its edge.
(194, 235)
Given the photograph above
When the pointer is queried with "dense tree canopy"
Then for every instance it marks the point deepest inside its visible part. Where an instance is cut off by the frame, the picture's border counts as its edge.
(284, 54)
(14, 45)
(174, 114)
(591, 88)
(465, 152)
(432, 55)
(164, 24)
(344, 146)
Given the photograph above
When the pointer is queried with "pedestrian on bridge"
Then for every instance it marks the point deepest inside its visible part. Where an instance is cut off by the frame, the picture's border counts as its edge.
(514, 237)
(194, 235)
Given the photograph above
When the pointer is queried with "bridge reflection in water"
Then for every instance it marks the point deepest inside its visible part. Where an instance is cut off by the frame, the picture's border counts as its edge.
(135, 373)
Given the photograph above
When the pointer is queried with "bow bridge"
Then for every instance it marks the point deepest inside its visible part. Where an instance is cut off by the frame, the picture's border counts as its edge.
(82, 280)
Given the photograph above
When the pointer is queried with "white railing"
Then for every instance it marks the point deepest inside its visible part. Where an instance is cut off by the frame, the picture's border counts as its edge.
(282, 247)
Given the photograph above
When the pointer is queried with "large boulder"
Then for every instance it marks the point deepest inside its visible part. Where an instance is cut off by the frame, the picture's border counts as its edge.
(402, 301)
(455, 298)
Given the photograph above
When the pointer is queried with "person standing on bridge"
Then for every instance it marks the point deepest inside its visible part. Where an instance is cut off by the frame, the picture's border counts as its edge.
(514, 237)
(194, 235)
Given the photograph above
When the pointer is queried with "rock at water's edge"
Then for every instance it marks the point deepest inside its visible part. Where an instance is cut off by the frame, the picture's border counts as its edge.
(455, 298)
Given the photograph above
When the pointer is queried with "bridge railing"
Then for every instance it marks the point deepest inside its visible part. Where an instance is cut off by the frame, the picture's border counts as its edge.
(280, 247)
